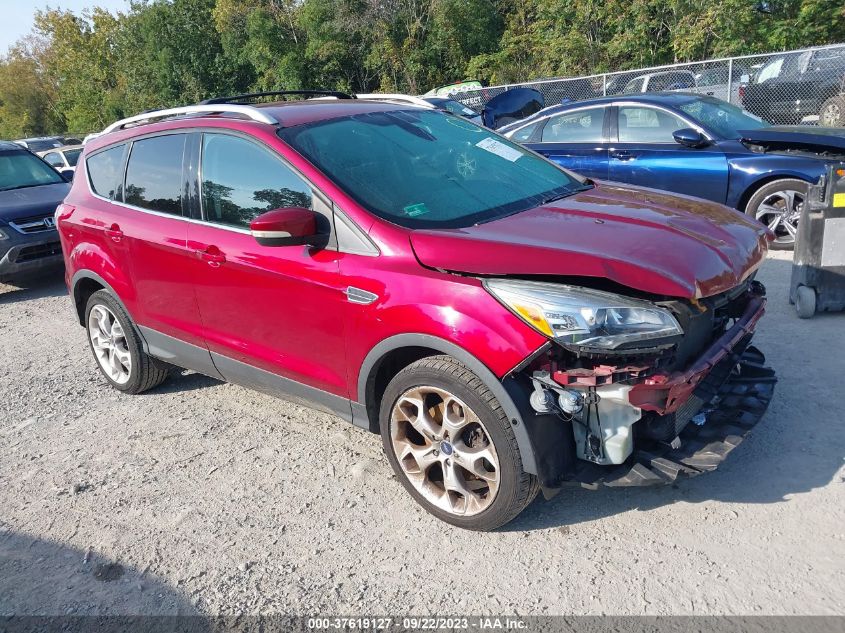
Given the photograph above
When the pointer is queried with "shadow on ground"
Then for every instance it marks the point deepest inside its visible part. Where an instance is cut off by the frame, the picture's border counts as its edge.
(45, 285)
(42, 578)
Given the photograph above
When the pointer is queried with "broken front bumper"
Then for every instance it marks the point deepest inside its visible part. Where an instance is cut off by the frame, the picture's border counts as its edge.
(740, 388)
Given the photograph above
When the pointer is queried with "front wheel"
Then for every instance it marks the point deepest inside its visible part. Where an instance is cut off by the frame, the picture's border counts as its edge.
(778, 205)
(451, 445)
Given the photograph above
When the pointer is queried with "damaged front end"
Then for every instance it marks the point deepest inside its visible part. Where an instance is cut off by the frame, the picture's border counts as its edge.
(636, 392)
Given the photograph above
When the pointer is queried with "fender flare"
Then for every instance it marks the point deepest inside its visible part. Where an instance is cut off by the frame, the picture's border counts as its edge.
(523, 440)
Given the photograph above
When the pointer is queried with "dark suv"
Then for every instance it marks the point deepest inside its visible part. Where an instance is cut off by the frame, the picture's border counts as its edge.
(30, 191)
(506, 325)
(792, 87)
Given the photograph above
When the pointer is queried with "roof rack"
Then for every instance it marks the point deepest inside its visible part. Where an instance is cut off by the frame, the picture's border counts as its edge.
(397, 98)
(253, 95)
(244, 110)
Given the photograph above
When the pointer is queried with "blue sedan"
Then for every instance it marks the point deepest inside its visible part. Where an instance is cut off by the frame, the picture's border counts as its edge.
(689, 144)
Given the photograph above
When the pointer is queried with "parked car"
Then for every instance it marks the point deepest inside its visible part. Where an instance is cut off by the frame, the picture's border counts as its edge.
(41, 143)
(504, 324)
(664, 80)
(713, 82)
(689, 144)
(63, 159)
(790, 87)
(30, 191)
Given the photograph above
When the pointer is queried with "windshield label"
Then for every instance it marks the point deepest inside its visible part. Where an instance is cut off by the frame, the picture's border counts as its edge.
(499, 149)
(413, 210)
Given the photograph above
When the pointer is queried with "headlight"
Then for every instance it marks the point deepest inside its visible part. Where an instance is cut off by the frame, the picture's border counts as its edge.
(584, 317)
(3, 235)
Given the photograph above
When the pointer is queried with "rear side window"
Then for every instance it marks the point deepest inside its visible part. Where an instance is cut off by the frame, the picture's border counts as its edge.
(154, 174)
(581, 126)
(241, 180)
(105, 171)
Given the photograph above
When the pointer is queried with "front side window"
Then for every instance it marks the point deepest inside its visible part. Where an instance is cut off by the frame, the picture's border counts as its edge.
(20, 169)
(105, 171)
(154, 174)
(425, 169)
(647, 125)
(242, 180)
(582, 126)
(72, 156)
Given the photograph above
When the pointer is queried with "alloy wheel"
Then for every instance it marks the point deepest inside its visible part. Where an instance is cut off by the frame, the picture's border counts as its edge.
(108, 341)
(831, 115)
(444, 450)
(780, 211)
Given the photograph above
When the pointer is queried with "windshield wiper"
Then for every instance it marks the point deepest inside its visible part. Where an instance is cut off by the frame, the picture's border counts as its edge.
(565, 194)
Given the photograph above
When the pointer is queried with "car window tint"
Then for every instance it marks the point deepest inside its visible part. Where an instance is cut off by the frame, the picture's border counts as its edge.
(242, 180)
(72, 156)
(54, 159)
(105, 171)
(647, 125)
(582, 126)
(523, 134)
(154, 174)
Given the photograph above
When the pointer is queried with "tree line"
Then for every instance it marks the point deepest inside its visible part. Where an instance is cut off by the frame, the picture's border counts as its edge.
(79, 72)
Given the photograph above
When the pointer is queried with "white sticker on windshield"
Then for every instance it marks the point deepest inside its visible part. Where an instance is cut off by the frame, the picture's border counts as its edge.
(499, 149)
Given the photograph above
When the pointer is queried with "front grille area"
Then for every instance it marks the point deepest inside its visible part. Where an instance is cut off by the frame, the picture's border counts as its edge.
(33, 224)
(39, 251)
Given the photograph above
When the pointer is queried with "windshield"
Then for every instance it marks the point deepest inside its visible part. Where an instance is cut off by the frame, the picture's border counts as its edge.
(426, 169)
(19, 169)
(72, 156)
(722, 117)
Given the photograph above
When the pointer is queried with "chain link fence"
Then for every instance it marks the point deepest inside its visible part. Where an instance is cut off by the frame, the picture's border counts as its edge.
(793, 87)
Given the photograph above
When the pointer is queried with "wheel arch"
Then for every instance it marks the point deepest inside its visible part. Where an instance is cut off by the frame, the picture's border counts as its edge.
(83, 284)
(396, 352)
(754, 187)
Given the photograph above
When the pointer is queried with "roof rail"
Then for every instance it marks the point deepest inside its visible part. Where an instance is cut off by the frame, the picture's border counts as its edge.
(244, 110)
(394, 98)
(280, 93)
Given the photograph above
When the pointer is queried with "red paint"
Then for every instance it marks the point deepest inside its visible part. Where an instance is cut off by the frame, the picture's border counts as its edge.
(284, 309)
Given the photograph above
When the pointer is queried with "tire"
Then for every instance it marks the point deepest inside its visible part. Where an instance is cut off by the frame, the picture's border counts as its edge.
(832, 112)
(778, 204)
(439, 456)
(117, 349)
(805, 302)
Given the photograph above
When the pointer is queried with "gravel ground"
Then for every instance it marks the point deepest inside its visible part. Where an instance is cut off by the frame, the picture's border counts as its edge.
(203, 497)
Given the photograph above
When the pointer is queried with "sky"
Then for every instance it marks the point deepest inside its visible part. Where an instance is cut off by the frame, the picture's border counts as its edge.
(18, 14)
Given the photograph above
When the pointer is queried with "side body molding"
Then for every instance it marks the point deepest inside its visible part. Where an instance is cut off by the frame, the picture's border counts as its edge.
(510, 407)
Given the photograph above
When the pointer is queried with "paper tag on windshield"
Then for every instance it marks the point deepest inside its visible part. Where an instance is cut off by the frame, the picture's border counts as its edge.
(499, 149)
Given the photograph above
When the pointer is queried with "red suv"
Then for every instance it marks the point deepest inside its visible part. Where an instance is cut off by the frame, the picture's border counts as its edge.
(506, 325)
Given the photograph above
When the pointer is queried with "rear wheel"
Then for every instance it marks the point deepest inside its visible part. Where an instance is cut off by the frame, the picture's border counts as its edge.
(451, 445)
(117, 347)
(805, 302)
(778, 205)
(832, 113)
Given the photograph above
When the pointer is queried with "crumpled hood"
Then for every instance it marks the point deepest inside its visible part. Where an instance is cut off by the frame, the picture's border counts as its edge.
(815, 139)
(641, 238)
(29, 201)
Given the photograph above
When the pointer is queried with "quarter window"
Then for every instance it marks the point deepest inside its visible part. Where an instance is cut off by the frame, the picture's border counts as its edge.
(154, 174)
(54, 159)
(581, 126)
(241, 180)
(524, 133)
(105, 171)
(647, 125)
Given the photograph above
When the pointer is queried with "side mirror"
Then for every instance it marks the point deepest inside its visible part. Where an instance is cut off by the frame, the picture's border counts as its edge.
(289, 226)
(689, 137)
(67, 174)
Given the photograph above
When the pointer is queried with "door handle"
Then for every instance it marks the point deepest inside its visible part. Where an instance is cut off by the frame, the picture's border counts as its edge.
(114, 233)
(621, 154)
(212, 255)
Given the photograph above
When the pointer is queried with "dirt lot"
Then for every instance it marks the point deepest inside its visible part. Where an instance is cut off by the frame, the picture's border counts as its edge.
(205, 497)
